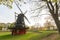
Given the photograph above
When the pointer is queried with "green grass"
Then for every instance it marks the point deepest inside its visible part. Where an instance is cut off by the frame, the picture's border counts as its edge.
(43, 34)
(27, 36)
(8, 36)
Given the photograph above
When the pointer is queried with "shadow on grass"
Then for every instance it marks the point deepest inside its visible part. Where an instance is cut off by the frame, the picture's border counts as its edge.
(8, 37)
(14, 37)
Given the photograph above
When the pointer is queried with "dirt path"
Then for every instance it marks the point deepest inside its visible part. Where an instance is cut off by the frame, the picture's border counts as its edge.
(51, 37)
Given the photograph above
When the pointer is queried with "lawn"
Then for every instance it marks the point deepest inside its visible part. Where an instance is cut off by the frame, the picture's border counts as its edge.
(27, 36)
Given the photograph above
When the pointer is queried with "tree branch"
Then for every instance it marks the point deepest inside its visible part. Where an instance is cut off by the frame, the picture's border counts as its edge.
(51, 11)
(48, 6)
(41, 15)
(51, 5)
(56, 13)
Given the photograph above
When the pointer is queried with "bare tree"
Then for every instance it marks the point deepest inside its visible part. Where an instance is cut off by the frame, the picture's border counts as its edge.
(53, 6)
(53, 9)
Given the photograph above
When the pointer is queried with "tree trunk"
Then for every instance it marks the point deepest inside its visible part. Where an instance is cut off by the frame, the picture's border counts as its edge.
(57, 22)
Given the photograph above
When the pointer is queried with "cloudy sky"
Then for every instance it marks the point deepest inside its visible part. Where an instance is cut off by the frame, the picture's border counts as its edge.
(7, 15)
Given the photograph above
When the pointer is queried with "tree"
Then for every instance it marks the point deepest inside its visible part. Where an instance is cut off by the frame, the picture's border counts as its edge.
(48, 24)
(53, 9)
(7, 3)
(12, 24)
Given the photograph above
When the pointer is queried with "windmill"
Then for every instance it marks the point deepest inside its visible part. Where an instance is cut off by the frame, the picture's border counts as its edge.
(19, 24)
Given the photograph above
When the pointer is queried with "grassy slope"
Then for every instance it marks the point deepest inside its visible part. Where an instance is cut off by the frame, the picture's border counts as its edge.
(28, 36)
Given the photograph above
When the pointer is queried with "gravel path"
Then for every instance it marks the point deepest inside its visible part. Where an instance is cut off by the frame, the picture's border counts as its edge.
(51, 37)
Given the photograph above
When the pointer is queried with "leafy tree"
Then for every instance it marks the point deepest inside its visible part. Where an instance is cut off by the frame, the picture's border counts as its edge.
(12, 25)
(7, 3)
(48, 25)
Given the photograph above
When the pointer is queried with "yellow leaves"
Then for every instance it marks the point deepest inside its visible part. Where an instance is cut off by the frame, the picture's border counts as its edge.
(11, 0)
(54, 0)
(10, 6)
(0, 1)
(7, 3)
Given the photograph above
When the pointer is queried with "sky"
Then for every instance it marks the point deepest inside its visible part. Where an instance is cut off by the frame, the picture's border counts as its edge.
(7, 15)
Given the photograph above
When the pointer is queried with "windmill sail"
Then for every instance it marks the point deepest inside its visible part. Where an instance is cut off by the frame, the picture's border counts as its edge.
(26, 19)
(17, 4)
